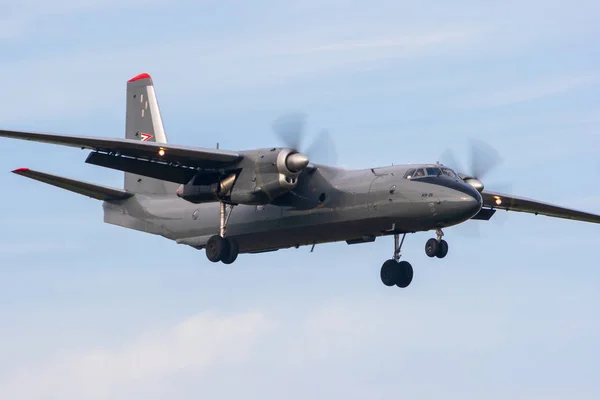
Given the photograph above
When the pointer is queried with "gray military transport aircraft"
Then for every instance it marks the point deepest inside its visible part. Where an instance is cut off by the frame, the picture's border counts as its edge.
(281, 198)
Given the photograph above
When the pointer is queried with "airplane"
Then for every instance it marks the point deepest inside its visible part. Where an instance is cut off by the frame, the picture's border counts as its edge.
(281, 198)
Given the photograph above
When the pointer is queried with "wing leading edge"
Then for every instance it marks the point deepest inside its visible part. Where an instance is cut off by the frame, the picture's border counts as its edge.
(501, 201)
(152, 151)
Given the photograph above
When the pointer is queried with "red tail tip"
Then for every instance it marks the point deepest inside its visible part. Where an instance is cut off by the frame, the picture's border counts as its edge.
(141, 76)
(21, 170)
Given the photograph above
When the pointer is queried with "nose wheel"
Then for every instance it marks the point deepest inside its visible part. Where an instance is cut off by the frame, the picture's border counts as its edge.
(219, 247)
(394, 271)
(437, 247)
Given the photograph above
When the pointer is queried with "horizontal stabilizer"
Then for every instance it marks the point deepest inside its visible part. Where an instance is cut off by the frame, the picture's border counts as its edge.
(87, 189)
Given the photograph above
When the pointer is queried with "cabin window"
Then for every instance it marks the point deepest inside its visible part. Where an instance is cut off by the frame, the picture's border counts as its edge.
(409, 174)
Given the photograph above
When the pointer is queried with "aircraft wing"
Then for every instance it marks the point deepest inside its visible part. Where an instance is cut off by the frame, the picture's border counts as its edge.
(165, 153)
(513, 203)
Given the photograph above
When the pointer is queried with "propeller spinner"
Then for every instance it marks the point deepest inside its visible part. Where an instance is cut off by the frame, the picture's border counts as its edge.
(296, 162)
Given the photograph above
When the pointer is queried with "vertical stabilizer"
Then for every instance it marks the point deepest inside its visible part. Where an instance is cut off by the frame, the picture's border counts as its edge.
(144, 122)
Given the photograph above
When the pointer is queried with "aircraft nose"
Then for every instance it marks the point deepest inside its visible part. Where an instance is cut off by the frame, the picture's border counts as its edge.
(474, 204)
(464, 204)
(471, 202)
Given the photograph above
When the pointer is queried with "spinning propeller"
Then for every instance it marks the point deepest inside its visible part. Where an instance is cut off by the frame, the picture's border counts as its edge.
(483, 160)
(291, 130)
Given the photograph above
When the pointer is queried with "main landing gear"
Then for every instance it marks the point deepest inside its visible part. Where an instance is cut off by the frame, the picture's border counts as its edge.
(219, 247)
(436, 247)
(394, 271)
(400, 273)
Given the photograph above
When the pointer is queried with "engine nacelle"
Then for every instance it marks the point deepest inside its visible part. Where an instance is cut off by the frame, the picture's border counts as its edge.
(275, 173)
(476, 183)
(204, 193)
(260, 177)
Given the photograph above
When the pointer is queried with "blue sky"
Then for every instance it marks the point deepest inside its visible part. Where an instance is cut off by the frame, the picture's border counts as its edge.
(89, 310)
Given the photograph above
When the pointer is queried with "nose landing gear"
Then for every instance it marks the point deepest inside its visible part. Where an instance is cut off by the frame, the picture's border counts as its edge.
(394, 271)
(437, 247)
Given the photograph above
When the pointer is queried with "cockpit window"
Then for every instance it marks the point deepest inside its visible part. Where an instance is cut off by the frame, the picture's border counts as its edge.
(429, 171)
(448, 172)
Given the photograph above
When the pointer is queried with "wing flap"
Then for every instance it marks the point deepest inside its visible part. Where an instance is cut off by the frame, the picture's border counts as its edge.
(94, 191)
(520, 204)
(190, 156)
(156, 170)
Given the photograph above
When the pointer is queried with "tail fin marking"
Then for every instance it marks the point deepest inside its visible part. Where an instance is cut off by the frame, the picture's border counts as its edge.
(144, 122)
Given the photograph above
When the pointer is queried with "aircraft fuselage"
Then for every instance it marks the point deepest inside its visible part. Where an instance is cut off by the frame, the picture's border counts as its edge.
(351, 205)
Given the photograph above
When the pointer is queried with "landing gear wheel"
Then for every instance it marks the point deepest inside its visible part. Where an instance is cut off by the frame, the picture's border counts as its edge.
(442, 249)
(388, 272)
(396, 273)
(232, 252)
(432, 247)
(404, 274)
(216, 248)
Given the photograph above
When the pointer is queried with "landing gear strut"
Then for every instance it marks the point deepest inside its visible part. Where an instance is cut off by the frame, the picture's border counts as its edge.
(219, 247)
(437, 247)
(394, 271)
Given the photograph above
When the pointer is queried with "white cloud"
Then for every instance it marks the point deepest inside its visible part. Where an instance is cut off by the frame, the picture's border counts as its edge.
(201, 342)
(252, 353)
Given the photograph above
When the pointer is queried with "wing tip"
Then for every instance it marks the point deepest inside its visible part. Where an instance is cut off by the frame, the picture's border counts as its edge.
(20, 170)
(139, 77)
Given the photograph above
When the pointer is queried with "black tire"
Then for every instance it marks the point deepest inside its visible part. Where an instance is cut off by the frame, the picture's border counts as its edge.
(216, 248)
(442, 249)
(389, 271)
(405, 274)
(232, 254)
(431, 247)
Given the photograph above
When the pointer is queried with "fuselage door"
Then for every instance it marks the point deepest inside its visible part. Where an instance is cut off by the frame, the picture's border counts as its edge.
(382, 191)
